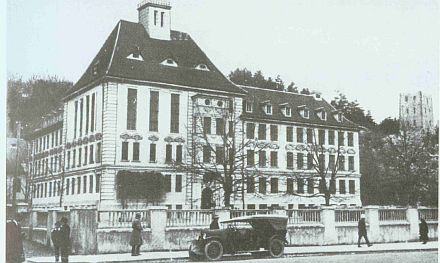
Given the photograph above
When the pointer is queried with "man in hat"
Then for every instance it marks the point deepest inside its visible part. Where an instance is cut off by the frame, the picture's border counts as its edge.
(362, 231)
(136, 236)
(64, 239)
(214, 223)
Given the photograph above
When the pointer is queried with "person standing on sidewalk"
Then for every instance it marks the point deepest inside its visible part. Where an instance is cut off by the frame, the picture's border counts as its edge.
(64, 243)
(136, 236)
(14, 242)
(214, 223)
(362, 231)
(55, 235)
(423, 231)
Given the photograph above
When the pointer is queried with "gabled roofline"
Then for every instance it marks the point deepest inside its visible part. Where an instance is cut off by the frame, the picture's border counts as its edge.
(114, 48)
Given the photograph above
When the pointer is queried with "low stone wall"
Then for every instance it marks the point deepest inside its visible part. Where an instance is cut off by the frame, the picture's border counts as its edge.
(179, 238)
(39, 235)
(303, 235)
(118, 240)
(393, 232)
(347, 233)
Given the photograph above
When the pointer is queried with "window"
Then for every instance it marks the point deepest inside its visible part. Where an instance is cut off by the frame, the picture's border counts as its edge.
(274, 159)
(178, 183)
(73, 186)
(262, 159)
(289, 189)
(206, 154)
(179, 154)
(202, 67)
(250, 156)
(289, 134)
(231, 129)
(262, 206)
(207, 125)
(273, 133)
(268, 109)
(168, 153)
(81, 106)
(162, 14)
(323, 115)
(84, 184)
(98, 177)
(351, 163)
(262, 132)
(340, 138)
(131, 109)
(87, 113)
(50, 189)
(52, 137)
(310, 186)
(300, 160)
(219, 154)
(310, 161)
(251, 206)
(154, 110)
(331, 162)
(351, 187)
(250, 185)
(250, 130)
(68, 161)
(98, 152)
(74, 159)
(91, 184)
(331, 137)
(300, 186)
(67, 186)
(155, 17)
(321, 137)
(175, 102)
(321, 161)
(309, 136)
(248, 106)
(219, 126)
(92, 115)
(306, 113)
(289, 160)
(79, 185)
(152, 153)
(342, 187)
(124, 151)
(350, 138)
(341, 165)
(135, 151)
(299, 135)
(167, 183)
(91, 152)
(262, 185)
(406, 98)
(274, 185)
(75, 122)
(333, 186)
(288, 111)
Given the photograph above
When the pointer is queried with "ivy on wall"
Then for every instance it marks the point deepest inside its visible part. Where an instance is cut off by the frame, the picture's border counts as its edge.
(140, 185)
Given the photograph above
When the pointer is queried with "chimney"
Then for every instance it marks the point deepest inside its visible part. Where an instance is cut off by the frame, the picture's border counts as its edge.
(155, 16)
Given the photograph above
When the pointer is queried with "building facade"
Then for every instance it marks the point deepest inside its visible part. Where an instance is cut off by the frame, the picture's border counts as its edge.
(151, 101)
(415, 110)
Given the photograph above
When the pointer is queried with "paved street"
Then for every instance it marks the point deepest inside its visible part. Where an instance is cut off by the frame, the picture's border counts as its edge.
(403, 257)
(33, 249)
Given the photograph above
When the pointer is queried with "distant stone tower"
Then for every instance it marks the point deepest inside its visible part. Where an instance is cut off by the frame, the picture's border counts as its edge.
(416, 110)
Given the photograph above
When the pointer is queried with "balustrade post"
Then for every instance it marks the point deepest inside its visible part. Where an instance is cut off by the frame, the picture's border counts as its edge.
(158, 218)
(372, 220)
(412, 215)
(328, 219)
(223, 214)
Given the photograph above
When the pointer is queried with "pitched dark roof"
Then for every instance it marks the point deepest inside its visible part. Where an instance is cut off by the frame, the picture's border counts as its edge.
(129, 37)
(279, 99)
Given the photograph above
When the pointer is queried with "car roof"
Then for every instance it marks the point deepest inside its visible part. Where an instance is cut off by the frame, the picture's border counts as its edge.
(255, 217)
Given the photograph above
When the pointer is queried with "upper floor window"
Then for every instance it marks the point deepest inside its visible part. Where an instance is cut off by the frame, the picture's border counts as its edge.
(175, 101)
(207, 125)
(304, 111)
(162, 16)
(154, 110)
(155, 17)
(131, 109)
(135, 56)
(248, 106)
(169, 62)
(262, 131)
(268, 109)
(250, 130)
(350, 138)
(288, 111)
(273, 133)
(289, 134)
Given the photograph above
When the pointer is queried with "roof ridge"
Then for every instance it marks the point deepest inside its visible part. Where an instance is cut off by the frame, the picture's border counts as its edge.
(281, 91)
(114, 48)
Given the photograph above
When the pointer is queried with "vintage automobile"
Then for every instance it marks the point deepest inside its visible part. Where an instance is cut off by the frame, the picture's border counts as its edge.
(254, 234)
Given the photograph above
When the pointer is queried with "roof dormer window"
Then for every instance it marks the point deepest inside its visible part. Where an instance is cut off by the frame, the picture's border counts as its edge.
(248, 106)
(321, 113)
(286, 110)
(268, 109)
(169, 62)
(136, 56)
(202, 67)
(304, 111)
(339, 117)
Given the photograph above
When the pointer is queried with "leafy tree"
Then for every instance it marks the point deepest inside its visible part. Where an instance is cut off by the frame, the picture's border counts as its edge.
(353, 111)
(305, 91)
(389, 126)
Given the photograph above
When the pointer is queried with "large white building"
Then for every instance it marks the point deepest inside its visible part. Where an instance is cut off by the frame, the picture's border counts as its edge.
(138, 106)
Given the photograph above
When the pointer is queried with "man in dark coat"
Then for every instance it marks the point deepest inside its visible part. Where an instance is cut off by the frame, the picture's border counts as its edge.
(214, 223)
(14, 242)
(362, 231)
(423, 231)
(64, 239)
(55, 235)
(136, 236)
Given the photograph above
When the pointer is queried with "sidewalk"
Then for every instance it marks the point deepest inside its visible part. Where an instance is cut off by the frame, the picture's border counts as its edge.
(289, 251)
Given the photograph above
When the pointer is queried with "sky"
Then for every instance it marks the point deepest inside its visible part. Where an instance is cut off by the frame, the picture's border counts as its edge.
(369, 50)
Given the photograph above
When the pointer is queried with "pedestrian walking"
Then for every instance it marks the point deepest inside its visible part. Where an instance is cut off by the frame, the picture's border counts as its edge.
(64, 239)
(136, 237)
(55, 235)
(214, 223)
(14, 242)
(362, 231)
(423, 231)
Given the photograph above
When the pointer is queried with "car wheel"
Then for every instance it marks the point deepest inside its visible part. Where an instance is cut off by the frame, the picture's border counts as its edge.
(213, 250)
(276, 248)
